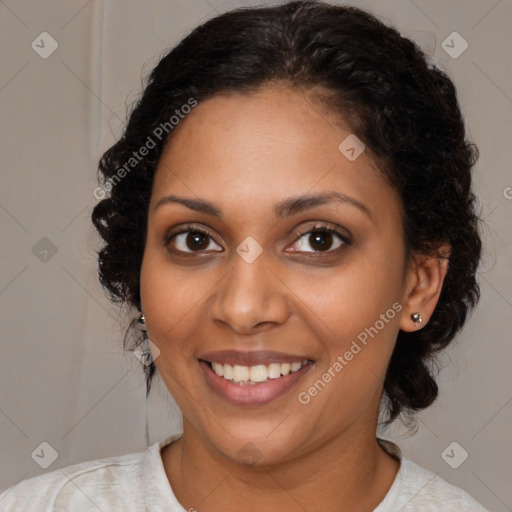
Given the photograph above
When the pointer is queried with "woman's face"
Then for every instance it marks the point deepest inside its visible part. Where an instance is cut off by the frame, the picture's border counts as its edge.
(264, 287)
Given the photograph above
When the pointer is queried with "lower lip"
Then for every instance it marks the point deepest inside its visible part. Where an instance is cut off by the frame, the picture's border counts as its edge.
(252, 394)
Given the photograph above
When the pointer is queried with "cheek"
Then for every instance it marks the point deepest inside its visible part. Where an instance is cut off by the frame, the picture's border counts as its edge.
(352, 297)
(359, 305)
(363, 322)
(172, 300)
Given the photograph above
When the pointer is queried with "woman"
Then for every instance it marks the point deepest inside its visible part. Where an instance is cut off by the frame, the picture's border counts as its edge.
(281, 212)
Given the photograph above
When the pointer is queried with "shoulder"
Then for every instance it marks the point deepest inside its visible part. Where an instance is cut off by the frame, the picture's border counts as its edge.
(84, 486)
(418, 489)
(424, 490)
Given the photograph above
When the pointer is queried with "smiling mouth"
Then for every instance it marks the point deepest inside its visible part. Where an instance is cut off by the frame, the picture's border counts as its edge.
(256, 374)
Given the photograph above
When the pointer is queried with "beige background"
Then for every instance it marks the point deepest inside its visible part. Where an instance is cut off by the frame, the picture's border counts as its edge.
(64, 378)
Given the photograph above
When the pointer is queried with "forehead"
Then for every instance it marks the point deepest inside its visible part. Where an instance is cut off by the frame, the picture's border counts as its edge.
(265, 146)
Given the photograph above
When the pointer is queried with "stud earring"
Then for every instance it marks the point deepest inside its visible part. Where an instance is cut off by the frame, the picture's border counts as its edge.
(417, 318)
(142, 322)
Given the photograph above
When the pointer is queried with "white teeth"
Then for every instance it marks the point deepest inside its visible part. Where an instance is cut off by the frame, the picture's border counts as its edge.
(274, 370)
(240, 373)
(285, 368)
(296, 366)
(227, 372)
(258, 373)
(218, 368)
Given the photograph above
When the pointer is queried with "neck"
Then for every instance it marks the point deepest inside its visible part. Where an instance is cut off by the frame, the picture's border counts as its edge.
(348, 472)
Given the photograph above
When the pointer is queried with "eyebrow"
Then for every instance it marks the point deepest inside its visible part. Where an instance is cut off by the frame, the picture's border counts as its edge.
(285, 208)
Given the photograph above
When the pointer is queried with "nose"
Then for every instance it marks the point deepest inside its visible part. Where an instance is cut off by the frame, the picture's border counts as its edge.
(251, 298)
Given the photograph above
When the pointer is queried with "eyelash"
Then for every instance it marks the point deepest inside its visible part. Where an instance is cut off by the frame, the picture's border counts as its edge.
(317, 228)
(324, 228)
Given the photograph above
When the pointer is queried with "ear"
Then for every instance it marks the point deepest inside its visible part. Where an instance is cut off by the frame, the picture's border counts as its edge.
(424, 283)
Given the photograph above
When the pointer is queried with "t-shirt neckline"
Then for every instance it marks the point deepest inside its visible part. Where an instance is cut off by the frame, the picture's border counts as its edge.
(158, 490)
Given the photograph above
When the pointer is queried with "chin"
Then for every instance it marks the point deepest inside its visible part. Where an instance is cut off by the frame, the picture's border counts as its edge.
(252, 449)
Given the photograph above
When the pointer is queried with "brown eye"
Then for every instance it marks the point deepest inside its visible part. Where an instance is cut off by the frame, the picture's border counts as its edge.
(320, 239)
(192, 241)
(196, 241)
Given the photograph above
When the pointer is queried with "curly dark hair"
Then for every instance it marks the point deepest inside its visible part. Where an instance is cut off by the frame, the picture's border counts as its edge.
(402, 107)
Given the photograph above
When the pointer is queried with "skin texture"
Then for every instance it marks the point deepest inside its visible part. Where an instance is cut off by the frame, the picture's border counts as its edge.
(244, 153)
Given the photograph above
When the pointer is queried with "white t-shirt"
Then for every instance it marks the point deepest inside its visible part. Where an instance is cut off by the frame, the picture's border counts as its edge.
(137, 482)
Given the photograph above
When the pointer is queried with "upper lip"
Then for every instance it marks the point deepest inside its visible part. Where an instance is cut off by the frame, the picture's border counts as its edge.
(250, 358)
